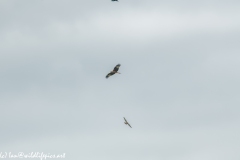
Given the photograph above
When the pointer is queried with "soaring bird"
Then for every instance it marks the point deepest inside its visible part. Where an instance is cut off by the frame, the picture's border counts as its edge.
(115, 70)
(115, 0)
(126, 122)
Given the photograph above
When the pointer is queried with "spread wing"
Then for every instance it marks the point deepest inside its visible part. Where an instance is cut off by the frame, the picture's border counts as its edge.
(109, 74)
(116, 67)
(127, 122)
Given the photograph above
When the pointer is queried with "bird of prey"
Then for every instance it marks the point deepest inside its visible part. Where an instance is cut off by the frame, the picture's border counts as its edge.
(115, 0)
(126, 122)
(115, 70)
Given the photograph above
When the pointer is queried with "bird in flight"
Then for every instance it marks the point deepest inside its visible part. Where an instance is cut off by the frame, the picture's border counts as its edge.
(115, 70)
(115, 0)
(126, 122)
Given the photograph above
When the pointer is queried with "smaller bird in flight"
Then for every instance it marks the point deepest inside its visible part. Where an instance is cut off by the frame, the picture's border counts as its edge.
(126, 122)
(115, 70)
(115, 0)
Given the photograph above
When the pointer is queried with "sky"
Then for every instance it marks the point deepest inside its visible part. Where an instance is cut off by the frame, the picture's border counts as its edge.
(178, 87)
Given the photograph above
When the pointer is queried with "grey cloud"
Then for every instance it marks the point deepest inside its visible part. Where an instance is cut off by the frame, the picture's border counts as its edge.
(178, 88)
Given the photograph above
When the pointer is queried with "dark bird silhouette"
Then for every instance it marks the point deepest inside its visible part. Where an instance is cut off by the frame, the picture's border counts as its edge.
(115, 0)
(115, 70)
(126, 122)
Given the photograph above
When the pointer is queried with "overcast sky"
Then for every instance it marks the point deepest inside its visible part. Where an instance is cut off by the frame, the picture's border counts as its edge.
(178, 88)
